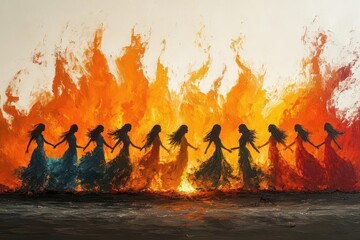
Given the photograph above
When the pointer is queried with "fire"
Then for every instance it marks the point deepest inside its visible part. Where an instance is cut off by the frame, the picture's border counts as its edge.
(99, 99)
(186, 187)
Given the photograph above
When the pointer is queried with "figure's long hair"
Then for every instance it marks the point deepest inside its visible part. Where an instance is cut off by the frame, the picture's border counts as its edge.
(213, 134)
(277, 133)
(120, 134)
(175, 137)
(303, 133)
(150, 137)
(36, 130)
(249, 135)
(72, 130)
(333, 133)
(94, 134)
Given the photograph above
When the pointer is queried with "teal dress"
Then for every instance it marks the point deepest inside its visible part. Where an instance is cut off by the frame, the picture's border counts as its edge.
(64, 171)
(92, 165)
(34, 176)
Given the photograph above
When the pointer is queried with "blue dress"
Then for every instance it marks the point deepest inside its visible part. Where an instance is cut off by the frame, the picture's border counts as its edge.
(92, 165)
(34, 176)
(119, 170)
(216, 171)
(64, 171)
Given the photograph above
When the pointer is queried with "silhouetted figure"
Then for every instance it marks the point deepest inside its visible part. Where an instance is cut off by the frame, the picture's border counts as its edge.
(216, 171)
(92, 164)
(149, 163)
(340, 173)
(34, 176)
(283, 177)
(307, 164)
(250, 174)
(173, 171)
(118, 171)
(64, 171)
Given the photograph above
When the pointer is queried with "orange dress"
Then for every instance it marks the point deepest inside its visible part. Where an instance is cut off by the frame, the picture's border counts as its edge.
(282, 175)
(340, 173)
(149, 163)
(309, 166)
(172, 172)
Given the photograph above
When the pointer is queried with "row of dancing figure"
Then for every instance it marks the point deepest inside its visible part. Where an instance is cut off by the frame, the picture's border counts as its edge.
(93, 173)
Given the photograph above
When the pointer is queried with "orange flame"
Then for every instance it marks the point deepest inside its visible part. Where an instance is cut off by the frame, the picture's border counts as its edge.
(99, 98)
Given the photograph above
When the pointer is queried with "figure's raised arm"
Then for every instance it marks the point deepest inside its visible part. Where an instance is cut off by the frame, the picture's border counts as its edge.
(116, 144)
(47, 142)
(107, 145)
(234, 148)
(260, 146)
(77, 146)
(188, 144)
(63, 140)
(132, 144)
(312, 144)
(320, 144)
(87, 144)
(289, 146)
(222, 146)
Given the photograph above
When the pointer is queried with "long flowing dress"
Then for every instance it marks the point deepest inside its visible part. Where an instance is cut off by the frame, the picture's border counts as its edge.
(282, 175)
(64, 171)
(340, 173)
(35, 175)
(92, 165)
(172, 172)
(149, 164)
(118, 171)
(250, 174)
(309, 167)
(215, 172)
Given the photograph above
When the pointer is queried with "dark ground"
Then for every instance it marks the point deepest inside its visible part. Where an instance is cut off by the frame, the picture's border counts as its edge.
(264, 215)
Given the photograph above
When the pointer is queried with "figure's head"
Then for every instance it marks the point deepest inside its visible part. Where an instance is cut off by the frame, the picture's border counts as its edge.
(127, 127)
(216, 130)
(74, 128)
(247, 134)
(303, 133)
(175, 137)
(121, 133)
(184, 128)
(298, 128)
(150, 137)
(328, 127)
(277, 133)
(213, 134)
(101, 128)
(156, 128)
(41, 127)
(94, 134)
(243, 128)
(333, 133)
(37, 130)
(271, 128)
